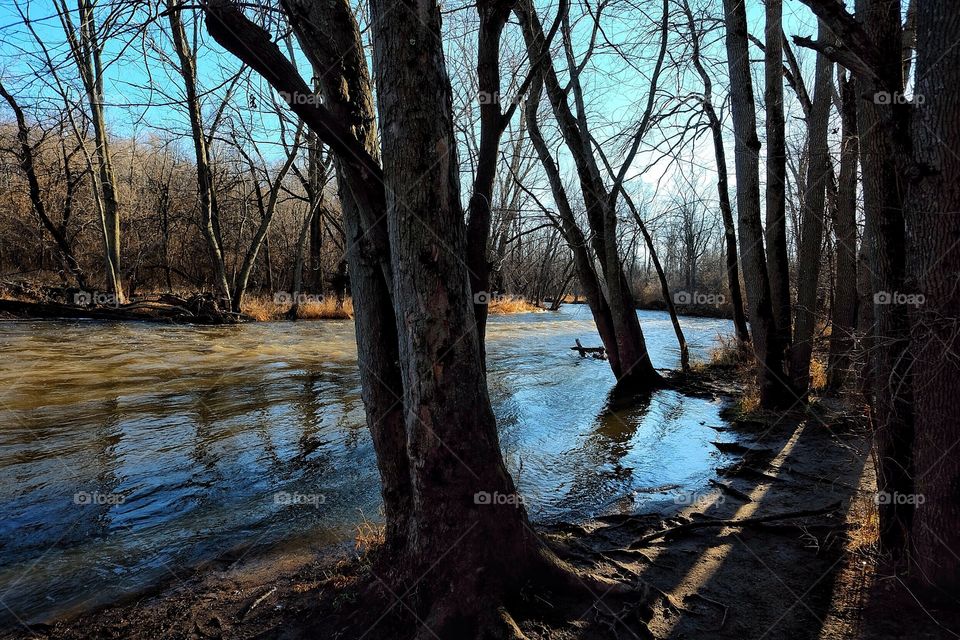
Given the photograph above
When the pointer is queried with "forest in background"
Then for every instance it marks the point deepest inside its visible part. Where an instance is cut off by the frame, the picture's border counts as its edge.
(434, 157)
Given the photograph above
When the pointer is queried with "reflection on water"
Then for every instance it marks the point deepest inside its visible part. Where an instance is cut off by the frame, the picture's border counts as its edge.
(130, 451)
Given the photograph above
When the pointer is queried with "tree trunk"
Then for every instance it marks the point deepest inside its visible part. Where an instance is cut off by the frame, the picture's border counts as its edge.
(776, 165)
(614, 307)
(767, 346)
(933, 230)
(844, 311)
(883, 189)
(814, 213)
(723, 188)
(493, 16)
(207, 201)
(86, 50)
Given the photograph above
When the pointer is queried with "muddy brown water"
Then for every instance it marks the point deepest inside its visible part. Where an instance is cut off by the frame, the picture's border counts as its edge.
(129, 452)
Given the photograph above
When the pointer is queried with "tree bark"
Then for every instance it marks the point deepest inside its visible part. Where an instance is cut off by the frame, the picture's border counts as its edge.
(933, 230)
(814, 214)
(205, 188)
(767, 346)
(493, 17)
(776, 167)
(723, 188)
(614, 307)
(86, 51)
(843, 315)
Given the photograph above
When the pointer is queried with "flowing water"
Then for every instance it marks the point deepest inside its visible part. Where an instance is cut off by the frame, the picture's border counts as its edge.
(130, 451)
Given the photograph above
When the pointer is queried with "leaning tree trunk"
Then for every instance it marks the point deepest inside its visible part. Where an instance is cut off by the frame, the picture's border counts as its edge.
(844, 310)
(774, 389)
(814, 213)
(664, 286)
(613, 306)
(207, 201)
(776, 165)
(933, 229)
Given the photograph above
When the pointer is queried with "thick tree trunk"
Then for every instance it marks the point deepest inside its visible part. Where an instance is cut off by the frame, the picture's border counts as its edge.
(891, 397)
(769, 350)
(776, 166)
(844, 311)
(473, 548)
(814, 214)
(933, 230)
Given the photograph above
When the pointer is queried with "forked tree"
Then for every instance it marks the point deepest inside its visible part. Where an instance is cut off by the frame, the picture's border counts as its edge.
(423, 379)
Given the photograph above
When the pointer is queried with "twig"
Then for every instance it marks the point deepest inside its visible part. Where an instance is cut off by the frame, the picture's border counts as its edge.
(732, 523)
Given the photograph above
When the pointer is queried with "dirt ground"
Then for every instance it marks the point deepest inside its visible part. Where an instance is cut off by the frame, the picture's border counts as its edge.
(801, 562)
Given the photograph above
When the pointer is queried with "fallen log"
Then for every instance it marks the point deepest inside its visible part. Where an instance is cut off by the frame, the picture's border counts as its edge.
(196, 310)
(597, 352)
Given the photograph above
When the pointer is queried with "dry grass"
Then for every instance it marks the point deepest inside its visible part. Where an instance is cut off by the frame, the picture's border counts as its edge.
(326, 309)
(729, 352)
(503, 305)
(818, 374)
(260, 308)
(370, 535)
(265, 309)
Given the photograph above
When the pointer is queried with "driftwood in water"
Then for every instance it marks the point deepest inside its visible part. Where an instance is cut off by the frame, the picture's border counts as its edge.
(597, 352)
(198, 309)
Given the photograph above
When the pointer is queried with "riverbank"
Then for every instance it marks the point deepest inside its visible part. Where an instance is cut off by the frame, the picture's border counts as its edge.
(203, 308)
(781, 543)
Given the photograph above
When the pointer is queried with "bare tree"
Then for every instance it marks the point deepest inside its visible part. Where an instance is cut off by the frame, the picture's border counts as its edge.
(767, 344)
(814, 214)
(776, 167)
(723, 189)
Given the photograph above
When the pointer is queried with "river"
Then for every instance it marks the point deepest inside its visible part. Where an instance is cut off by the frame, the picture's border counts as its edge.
(131, 451)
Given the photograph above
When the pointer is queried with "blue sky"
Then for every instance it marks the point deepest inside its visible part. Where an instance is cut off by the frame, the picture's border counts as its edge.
(140, 96)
